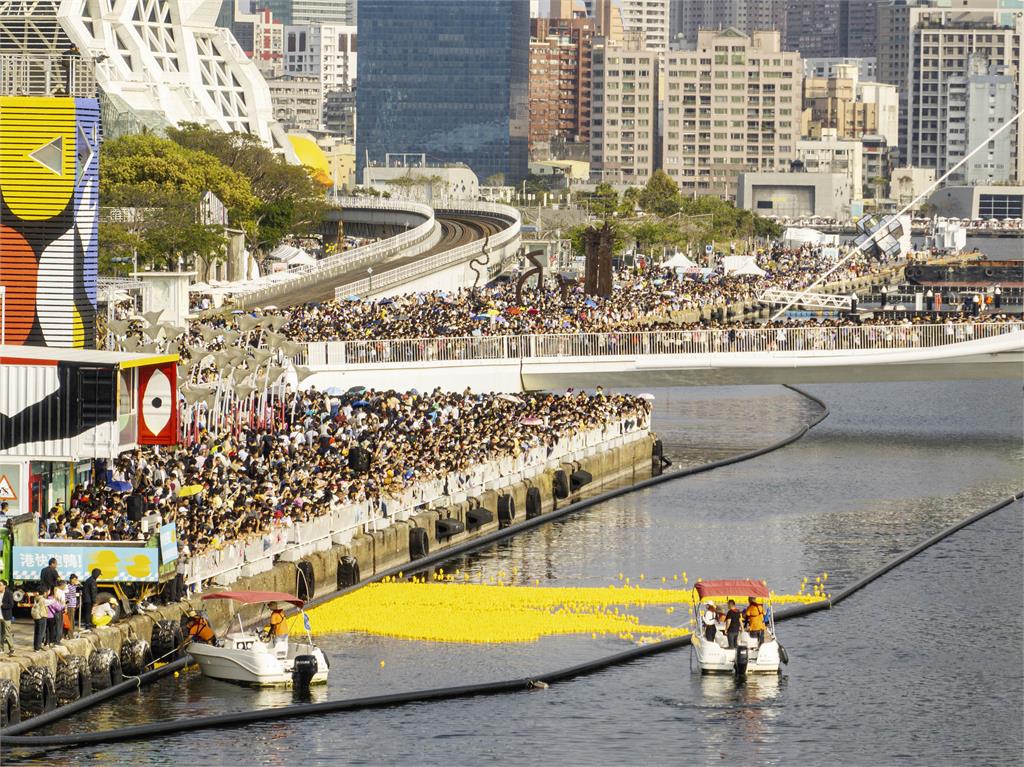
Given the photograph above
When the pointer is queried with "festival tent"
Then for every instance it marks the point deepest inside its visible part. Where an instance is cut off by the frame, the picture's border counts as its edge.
(742, 265)
(678, 261)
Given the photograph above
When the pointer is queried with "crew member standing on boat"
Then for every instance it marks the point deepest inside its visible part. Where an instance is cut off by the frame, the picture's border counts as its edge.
(709, 617)
(278, 629)
(733, 619)
(754, 615)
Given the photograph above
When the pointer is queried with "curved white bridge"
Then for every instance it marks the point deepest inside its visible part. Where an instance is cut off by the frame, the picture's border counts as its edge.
(677, 358)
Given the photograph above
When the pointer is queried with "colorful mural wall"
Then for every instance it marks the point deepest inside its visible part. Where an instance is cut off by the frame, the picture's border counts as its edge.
(49, 220)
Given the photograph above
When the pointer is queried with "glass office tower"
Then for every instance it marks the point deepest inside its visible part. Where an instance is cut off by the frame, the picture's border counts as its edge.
(447, 78)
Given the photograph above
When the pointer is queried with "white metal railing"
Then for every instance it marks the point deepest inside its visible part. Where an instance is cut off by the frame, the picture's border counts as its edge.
(340, 523)
(398, 275)
(800, 298)
(412, 241)
(38, 74)
(631, 343)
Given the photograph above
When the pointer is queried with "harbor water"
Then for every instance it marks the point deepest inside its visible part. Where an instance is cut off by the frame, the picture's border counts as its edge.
(923, 667)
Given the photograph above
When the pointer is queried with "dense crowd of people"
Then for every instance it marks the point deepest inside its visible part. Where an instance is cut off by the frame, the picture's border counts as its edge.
(642, 295)
(231, 485)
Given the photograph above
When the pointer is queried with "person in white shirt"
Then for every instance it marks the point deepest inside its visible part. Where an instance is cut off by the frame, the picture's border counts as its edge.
(708, 620)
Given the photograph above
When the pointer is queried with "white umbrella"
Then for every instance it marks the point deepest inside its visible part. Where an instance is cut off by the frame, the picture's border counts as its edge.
(647, 396)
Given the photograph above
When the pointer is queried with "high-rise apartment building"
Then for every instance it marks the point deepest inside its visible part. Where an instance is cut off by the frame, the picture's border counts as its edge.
(731, 105)
(624, 113)
(648, 20)
(978, 104)
(955, 31)
(812, 27)
(326, 51)
(943, 44)
(560, 80)
(607, 19)
(858, 30)
(446, 78)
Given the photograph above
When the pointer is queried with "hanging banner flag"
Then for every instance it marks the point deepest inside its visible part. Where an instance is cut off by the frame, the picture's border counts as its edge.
(158, 404)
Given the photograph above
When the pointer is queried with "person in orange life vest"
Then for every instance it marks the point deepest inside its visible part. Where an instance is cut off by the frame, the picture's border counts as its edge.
(754, 616)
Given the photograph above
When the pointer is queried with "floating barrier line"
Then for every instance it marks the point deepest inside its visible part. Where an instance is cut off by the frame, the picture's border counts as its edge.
(442, 556)
(540, 681)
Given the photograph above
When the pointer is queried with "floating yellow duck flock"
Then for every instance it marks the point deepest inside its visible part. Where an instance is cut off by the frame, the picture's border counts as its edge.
(452, 607)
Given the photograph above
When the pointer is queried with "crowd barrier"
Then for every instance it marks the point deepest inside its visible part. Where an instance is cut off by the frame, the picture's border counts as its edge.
(337, 526)
(698, 341)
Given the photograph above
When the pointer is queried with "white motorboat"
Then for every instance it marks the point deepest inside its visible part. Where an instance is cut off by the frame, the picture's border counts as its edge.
(251, 657)
(750, 655)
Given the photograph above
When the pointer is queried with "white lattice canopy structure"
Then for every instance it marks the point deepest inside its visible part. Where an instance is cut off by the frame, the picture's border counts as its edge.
(163, 61)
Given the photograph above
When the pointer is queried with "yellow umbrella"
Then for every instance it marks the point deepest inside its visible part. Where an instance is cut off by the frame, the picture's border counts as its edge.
(189, 490)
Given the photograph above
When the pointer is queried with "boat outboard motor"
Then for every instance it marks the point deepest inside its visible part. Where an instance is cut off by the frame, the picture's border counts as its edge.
(303, 671)
(741, 661)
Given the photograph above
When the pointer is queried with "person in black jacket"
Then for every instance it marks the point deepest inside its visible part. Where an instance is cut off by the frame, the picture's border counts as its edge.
(90, 594)
(6, 616)
(49, 576)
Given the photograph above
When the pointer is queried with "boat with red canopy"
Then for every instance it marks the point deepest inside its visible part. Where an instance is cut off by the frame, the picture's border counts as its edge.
(741, 642)
(258, 656)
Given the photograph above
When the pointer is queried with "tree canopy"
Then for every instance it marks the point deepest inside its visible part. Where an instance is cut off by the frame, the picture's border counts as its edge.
(162, 181)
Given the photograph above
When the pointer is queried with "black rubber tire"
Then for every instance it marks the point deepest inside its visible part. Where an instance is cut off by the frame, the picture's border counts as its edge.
(37, 691)
(105, 667)
(560, 484)
(348, 572)
(166, 641)
(136, 657)
(10, 703)
(506, 511)
(73, 680)
(579, 478)
(534, 503)
(419, 543)
(305, 580)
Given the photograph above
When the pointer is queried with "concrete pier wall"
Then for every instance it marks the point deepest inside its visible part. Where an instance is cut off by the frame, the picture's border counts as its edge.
(374, 552)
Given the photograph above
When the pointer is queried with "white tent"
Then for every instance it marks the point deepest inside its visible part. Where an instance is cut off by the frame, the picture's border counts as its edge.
(678, 261)
(741, 265)
(291, 255)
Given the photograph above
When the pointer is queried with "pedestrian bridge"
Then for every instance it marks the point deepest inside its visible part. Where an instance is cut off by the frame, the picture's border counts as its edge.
(849, 354)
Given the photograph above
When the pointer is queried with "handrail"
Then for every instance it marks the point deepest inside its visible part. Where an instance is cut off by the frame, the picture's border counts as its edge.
(258, 553)
(398, 275)
(416, 240)
(655, 342)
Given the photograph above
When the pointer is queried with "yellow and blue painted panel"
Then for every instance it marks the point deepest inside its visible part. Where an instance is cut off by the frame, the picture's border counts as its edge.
(116, 563)
(49, 219)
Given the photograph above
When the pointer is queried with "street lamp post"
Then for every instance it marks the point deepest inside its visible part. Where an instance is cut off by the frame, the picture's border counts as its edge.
(369, 271)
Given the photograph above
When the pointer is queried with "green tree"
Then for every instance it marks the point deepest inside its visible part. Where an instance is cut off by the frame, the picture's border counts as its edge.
(288, 198)
(661, 195)
(158, 186)
(651, 234)
(604, 201)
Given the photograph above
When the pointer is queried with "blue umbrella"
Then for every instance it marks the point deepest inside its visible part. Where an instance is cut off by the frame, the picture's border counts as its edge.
(361, 403)
(386, 301)
(590, 303)
(120, 487)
